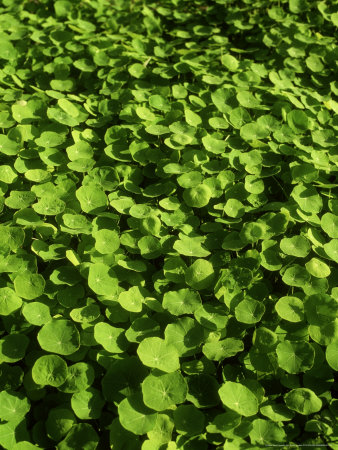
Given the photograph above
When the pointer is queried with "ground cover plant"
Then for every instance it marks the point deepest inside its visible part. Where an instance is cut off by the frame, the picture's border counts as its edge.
(169, 224)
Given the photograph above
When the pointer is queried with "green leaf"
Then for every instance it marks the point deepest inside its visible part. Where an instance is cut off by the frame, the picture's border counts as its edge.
(80, 376)
(298, 120)
(295, 357)
(277, 412)
(266, 432)
(329, 223)
(49, 370)
(200, 274)
(234, 208)
(7, 174)
(303, 401)
(13, 405)
(102, 280)
(219, 350)
(132, 299)
(212, 316)
(264, 338)
(150, 247)
(49, 139)
(83, 435)
(320, 309)
(318, 268)
(290, 308)
(135, 416)
(92, 199)
(186, 335)
(188, 420)
(296, 275)
(106, 241)
(111, 338)
(239, 398)
(59, 336)
(307, 198)
(49, 206)
(155, 352)
(183, 301)
(29, 285)
(8, 50)
(254, 184)
(159, 102)
(332, 355)
(331, 249)
(80, 149)
(157, 129)
(13, 347)
(253, 131)
(230, 62)
(252, 232)
(249, 311)
(87, 404)
(59, 422)
(9, 301)
(213, 145)
(192, 118)
(297, 246)
(161, 391)
(190, 246)
(198, 196)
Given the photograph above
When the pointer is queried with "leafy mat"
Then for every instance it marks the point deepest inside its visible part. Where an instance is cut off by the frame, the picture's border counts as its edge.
(169, 224)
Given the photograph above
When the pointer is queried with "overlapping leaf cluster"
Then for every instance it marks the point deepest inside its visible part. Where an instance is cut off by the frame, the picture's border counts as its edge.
(169, 224)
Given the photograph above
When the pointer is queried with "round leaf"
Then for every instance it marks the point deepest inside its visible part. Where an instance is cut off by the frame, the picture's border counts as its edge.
(188, 420)
(111, 338)
(59, 422)
(81, 435)
(295, 357)
(332, 355)
(155, 352)
(249, 311)
(329, 223)
(290, 308)
(106, 241)
(303, 401)
(183, 301)
(102, 280)
(197, 197)
(318, 268)
(200, 274)
(29, 285)
(297, 246)
(13, 405)
(59, 336)
(36, 313)
(161, 391)
(9, 301)
(238, 398)
(49, 370)
(135, 416)
(87, 404)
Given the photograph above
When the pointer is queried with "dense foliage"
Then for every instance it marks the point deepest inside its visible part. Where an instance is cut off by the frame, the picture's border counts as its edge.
(169, 224)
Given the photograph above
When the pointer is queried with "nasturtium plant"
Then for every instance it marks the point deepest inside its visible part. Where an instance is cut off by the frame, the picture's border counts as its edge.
(156, 353)
(239, 398)
(49, 370)
(295, 357)
(163, 390)
(168, 224)
(29, 285)
(290, 308)
(303, 400)
(59, 336)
